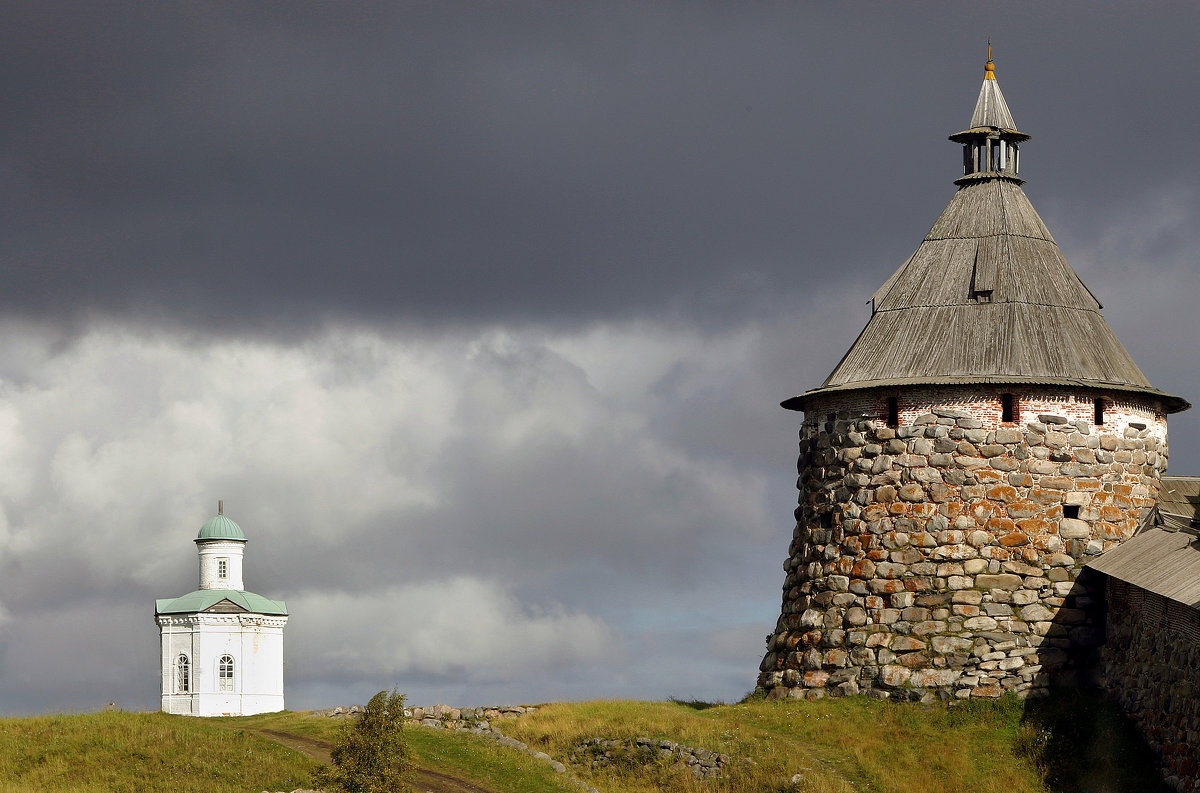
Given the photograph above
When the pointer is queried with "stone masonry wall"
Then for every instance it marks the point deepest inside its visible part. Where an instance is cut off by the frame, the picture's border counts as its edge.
(941, 557)
(1152, 666)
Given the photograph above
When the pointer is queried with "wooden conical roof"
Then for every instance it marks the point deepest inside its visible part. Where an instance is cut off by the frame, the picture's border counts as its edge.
(990, 109)
(987, 297)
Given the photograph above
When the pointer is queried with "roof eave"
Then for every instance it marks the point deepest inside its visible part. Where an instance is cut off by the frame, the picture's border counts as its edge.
(1171, 403)
(983, 176)
(251, 601)
(974, 132)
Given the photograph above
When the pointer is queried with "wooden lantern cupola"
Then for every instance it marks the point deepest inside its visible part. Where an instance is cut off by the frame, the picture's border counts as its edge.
(991, 145)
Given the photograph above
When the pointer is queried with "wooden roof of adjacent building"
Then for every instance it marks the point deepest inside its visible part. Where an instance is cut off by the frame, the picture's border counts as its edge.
(987, 297)
(1166, 563)
(1164, 556)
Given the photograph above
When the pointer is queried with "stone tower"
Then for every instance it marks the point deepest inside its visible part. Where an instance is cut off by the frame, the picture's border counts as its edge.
(985, 436)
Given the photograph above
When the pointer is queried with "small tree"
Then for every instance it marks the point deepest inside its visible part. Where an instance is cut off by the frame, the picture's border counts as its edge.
(369, 755)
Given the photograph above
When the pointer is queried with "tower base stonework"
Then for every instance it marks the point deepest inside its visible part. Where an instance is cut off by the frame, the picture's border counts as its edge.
(941, 557)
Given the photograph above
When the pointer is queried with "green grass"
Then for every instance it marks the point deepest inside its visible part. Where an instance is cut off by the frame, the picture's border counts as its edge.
(1083, 743)
(484, 762)
(306, 723)
(114, 752)
(469, 757)
(1071, 743)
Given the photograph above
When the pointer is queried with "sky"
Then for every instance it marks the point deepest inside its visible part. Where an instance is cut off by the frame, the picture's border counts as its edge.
(478, 315)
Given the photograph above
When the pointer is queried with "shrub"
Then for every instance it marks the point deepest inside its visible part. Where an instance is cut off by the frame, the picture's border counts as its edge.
(370, 754)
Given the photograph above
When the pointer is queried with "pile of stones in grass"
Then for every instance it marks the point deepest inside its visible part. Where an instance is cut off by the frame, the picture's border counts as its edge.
(444, 716)
(474, 719)
(633, 753)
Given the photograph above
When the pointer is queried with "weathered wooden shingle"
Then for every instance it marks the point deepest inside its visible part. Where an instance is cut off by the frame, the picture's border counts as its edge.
(990, 109)
(987, 297)
(1164, 556)
(1180, 498)
(1164, 562)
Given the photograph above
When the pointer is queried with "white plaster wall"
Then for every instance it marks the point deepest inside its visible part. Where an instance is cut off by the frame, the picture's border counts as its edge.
(254, 641)
(213, 550)
(176, 636)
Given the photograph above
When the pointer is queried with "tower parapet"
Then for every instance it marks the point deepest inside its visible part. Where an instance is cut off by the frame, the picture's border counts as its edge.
(985, 436)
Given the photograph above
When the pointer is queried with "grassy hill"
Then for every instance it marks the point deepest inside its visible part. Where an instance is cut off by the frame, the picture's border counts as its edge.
(1070, 744)
(114, 752)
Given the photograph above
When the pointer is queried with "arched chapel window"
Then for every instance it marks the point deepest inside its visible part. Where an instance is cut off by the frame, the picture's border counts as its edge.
(183, 674)
(225, 673)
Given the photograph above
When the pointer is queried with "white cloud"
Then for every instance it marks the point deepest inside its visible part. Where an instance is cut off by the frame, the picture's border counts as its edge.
(531, 494)
(463, 629)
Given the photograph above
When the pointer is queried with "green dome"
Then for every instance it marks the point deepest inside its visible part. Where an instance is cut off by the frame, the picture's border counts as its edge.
(220, 527)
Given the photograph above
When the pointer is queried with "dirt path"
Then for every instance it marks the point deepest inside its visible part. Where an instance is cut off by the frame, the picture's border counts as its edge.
(424, 780)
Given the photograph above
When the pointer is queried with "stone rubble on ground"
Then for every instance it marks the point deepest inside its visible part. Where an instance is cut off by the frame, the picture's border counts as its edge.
(600, 752)
(476, 721)
(700, 763)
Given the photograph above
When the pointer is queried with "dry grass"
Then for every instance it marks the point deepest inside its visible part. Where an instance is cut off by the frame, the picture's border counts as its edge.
(843, 745)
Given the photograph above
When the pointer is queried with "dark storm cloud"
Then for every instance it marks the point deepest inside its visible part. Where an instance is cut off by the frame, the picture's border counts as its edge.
(494, 304)
(222, 164)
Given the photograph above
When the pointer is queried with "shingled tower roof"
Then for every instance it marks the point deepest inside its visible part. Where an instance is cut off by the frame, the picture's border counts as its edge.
(987, 297)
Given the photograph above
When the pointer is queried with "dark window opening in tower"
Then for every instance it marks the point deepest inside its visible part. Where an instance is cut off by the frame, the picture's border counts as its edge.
(1071, 511)
(1008, 408)
(893, 412)
(1099, 408)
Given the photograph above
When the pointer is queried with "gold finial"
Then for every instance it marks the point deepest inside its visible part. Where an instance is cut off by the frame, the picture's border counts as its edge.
(989, 69)
(220, 506)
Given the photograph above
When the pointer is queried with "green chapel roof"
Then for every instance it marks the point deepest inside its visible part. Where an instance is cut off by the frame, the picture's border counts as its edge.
(220, 527)
(205, 599)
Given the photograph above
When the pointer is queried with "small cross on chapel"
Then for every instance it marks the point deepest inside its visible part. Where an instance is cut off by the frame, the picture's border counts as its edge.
(221, 646)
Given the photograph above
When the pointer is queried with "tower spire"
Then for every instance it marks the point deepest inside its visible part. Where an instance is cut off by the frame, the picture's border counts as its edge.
(991, 143)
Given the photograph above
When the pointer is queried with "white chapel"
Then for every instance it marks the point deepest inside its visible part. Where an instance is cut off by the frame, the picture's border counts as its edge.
(222, 647)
